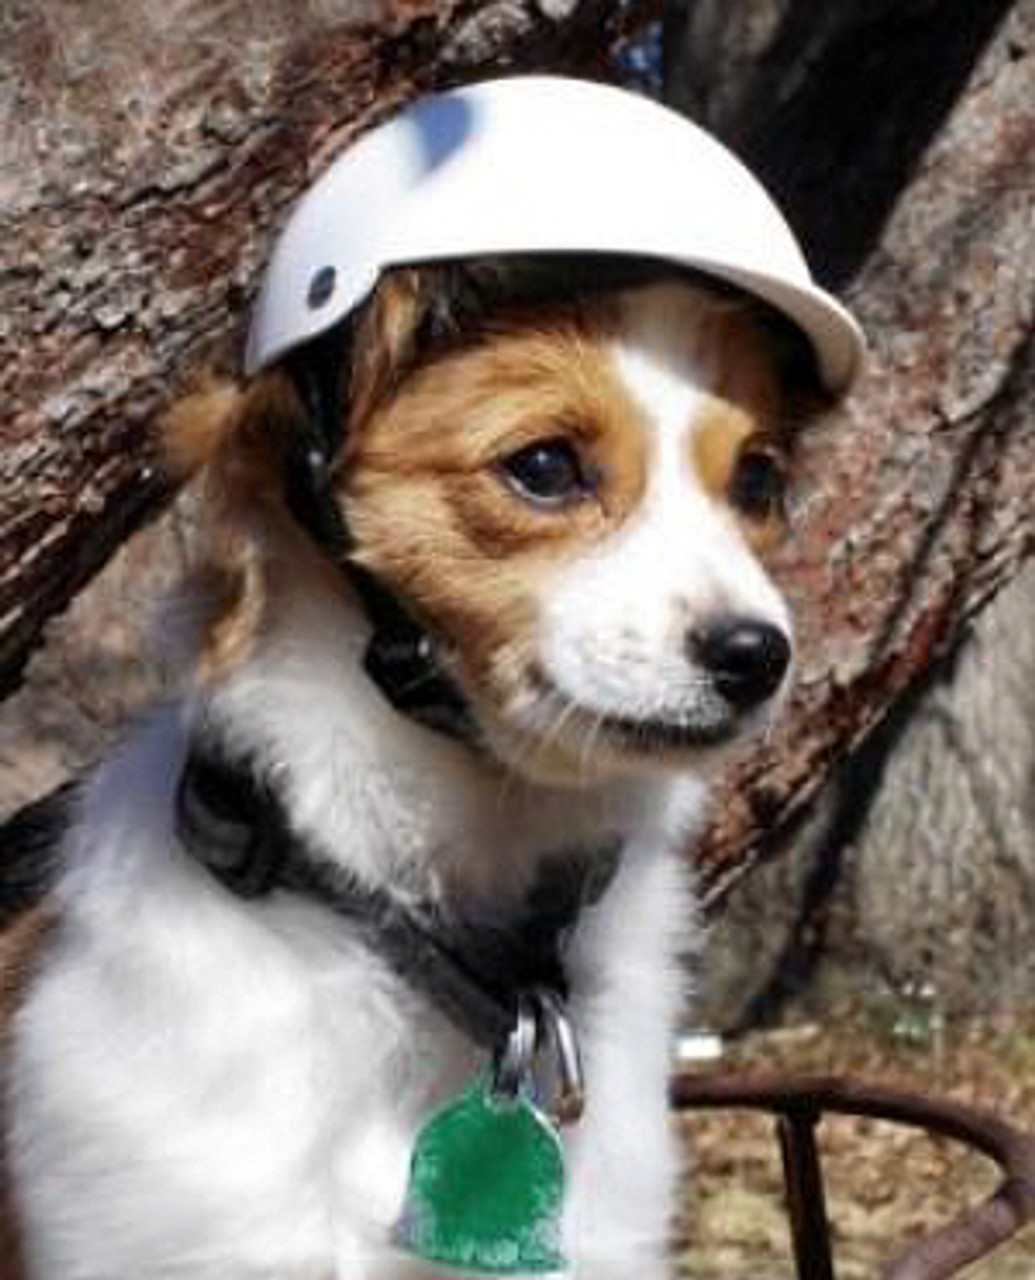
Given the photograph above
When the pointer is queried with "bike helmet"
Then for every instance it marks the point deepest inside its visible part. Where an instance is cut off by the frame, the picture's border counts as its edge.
(537, 165)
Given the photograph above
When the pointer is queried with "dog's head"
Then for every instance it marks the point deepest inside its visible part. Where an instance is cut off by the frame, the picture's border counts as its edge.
(498, 377)
(569, 476)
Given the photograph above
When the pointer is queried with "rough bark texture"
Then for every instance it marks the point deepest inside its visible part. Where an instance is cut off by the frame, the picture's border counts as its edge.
(103, 662)
(910, 885)
(833, 104)
(145, 151)
(913, 507)
(910, 892)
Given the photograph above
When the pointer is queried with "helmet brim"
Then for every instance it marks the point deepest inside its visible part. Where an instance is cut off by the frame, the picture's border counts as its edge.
(538, 165)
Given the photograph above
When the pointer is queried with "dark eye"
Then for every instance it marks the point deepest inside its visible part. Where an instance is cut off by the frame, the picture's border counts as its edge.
(547, 473)
(758, 485)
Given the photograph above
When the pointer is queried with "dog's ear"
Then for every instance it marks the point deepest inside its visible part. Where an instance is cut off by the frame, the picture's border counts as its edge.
(238, 441)
(254, 441)
(242, 437)
(199, 427)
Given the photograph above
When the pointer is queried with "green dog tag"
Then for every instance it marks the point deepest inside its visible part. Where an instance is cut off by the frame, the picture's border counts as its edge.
(486, 1187)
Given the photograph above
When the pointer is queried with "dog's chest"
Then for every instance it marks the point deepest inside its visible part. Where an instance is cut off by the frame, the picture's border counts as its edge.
(266, 1112)
(239, 1093)
(212, 1087)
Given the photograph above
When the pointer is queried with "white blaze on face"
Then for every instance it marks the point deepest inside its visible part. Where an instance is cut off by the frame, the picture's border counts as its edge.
(618, 622)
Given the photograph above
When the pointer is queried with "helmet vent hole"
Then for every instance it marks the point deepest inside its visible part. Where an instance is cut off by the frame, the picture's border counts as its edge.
(321, 286)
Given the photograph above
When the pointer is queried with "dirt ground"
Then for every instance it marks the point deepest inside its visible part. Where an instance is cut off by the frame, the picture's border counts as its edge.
(886, 1185)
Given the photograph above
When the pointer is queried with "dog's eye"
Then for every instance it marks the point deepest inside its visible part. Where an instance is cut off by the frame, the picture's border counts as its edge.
(547, 473)
(758, 486)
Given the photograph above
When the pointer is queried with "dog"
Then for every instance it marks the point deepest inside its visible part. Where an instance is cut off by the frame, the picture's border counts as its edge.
(457, 694)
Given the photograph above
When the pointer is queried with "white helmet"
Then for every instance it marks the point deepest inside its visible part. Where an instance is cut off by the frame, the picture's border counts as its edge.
(537, 164)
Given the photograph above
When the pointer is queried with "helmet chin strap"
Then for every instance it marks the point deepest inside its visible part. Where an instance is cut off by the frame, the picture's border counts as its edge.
(401, 657)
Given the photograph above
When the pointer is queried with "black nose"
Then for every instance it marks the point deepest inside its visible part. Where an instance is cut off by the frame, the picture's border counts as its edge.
(746, 659)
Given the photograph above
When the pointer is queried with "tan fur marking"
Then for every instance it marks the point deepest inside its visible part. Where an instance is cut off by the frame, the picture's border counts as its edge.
(745, 411)
(385, 340)
(433, 511)
(719, 432)
(241, 439)
(198, 428)
(722, 434)
(231, 589)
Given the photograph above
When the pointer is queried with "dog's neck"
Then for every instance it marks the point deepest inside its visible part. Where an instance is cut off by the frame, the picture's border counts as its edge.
(396, 804)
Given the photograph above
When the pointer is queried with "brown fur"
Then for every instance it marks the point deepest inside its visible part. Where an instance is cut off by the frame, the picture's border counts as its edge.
(756, 404)
(430, 420)
(386, 340)
(433, 512)
(239, 440)
(723, 433)
(199, 427)
(430, 506)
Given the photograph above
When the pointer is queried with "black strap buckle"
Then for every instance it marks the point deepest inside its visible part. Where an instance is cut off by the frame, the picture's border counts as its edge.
(230, 823)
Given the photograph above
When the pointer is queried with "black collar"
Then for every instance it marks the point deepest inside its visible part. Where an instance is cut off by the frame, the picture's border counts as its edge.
(232, 821)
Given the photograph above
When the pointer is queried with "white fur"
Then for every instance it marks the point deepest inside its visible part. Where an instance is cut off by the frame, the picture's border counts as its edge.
(212, 1089)
(615, 623)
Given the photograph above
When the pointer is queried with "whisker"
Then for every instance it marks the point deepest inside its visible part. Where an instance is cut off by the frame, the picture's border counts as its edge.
(591, 736)
(564, 713)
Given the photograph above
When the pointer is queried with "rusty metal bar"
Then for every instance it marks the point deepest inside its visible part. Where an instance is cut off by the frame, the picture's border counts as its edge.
(972, 1234)
(806, 1199)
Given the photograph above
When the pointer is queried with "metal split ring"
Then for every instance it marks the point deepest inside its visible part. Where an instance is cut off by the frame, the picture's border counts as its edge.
(514, 1064)
(542, 1022)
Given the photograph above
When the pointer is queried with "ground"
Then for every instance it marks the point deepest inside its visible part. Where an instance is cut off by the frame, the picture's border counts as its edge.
(886, 1185)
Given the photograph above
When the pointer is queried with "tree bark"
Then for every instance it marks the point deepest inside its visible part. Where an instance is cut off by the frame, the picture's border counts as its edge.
(146, 149)
(832, 104)
(913, 505)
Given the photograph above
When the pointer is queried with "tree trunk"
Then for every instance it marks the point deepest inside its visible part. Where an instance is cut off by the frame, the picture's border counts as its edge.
(910, 886)
(146, 149)
(832, 104)
(913, 506)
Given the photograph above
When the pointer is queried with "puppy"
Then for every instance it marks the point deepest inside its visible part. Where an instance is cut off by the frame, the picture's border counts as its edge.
(565, 482)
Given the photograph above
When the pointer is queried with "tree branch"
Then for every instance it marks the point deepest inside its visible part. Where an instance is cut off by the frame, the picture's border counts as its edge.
(145, 160)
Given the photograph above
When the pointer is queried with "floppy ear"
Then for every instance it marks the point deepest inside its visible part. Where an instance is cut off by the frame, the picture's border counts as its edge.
(197, 429)
(274, 445)
(238, 442)
(241, 438)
